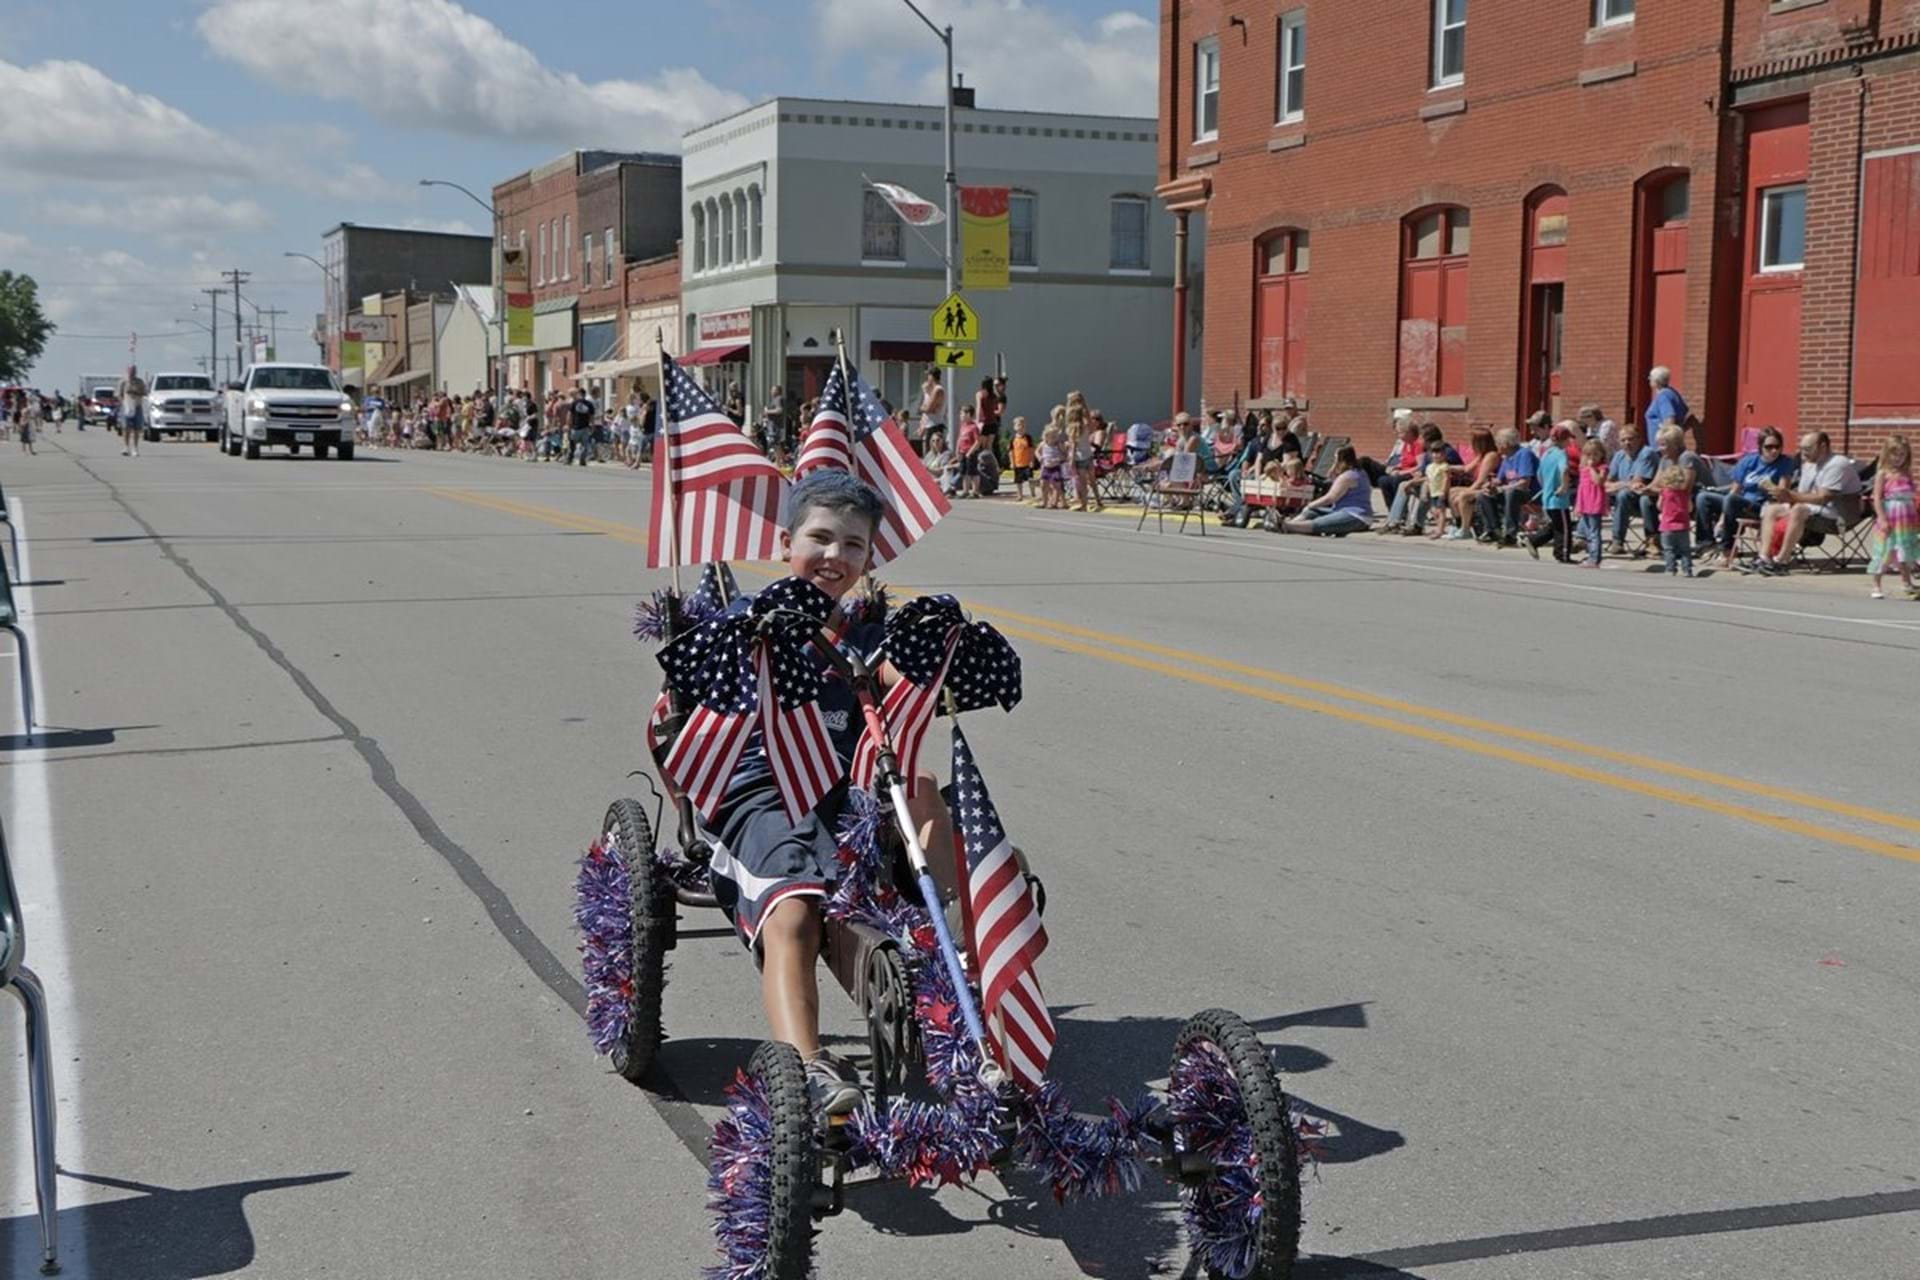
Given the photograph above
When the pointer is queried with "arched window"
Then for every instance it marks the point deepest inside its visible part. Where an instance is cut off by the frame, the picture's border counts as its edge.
(726, 231)
(713, 236)
(565, 248)
(1280, 314)
(753, 206)
(740, 225)
(1543, 302)
(699, 238)
(1434, 245)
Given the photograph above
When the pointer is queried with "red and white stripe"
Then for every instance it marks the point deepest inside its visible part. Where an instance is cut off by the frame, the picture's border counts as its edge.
(703, 756)
(914, 503)
(907, 711)
(827, 444)
(799, 748)
(1008, 937)
(715, 497)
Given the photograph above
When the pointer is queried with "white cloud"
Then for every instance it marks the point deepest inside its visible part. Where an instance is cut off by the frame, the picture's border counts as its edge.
(12, 243)
(1018, 55)
(165, 215)
(68, 120)
(432, 64)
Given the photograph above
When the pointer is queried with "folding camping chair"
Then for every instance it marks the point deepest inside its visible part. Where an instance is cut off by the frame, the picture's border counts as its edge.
(1181, 481)
(1112, 479)
(17, 978)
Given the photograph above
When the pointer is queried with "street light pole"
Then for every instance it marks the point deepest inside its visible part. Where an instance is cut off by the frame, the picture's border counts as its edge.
(945, 36)
(499, 289)
(333, 286)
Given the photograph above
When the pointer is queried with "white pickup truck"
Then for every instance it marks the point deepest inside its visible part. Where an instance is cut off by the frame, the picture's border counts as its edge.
(178, 403)
(294, 405)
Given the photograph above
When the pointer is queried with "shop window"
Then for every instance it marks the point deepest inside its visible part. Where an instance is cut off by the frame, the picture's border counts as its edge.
(1128, 233)
(1783, 228)
(880, 230)
(1023, 225)
(1433, 302)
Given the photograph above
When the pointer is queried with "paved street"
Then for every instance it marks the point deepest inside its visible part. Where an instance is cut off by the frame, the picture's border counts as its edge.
(1582, 906)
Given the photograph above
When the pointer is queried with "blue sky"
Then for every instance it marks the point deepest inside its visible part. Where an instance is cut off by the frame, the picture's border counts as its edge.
(147, 145)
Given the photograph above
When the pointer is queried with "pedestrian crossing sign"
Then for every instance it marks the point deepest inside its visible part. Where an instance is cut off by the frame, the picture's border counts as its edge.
(955, 321)
(951, 357)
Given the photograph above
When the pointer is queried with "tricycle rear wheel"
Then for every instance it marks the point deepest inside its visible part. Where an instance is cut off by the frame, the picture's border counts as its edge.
(653, 915)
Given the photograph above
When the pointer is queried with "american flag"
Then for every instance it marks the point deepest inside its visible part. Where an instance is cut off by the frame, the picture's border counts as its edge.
(715, 496)
(716, 591)
(742, 676)
(827, 444)
(883, 458)
(934, 648)
(1004, 933)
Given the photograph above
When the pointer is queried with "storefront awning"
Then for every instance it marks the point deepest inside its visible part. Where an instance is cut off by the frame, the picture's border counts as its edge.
(906, 352)
(717, 355)
(402, 379)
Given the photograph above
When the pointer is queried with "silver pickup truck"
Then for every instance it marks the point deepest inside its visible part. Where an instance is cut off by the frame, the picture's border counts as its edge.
(294, 406)
(178, 403)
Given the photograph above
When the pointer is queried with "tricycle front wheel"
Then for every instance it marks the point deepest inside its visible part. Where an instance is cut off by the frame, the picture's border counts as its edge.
(766, 1167)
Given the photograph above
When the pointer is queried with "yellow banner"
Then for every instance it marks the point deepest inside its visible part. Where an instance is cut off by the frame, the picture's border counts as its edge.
(983, 238)
(353, 352)
(513, 268)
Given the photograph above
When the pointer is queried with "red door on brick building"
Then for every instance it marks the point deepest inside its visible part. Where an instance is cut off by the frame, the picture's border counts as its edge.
(1543, 303)
(1662, 209)
(1886, 362)
(1775, 261)
(1280, 316)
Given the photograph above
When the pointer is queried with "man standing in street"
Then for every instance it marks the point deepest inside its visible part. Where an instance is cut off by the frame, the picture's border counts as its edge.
(1668, 405)
(580, 426)
(133, 412)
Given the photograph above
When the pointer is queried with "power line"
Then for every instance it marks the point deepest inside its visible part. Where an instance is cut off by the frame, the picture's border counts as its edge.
(119, 337)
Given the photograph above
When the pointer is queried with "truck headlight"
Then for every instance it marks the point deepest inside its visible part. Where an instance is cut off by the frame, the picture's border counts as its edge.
(257, 405)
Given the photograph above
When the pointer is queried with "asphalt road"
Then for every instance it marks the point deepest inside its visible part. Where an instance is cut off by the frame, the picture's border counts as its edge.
(1582, 905)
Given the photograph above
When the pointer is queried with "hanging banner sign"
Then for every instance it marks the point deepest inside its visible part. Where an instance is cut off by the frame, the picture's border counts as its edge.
(513, 276)
(353, 351)
(984, 238)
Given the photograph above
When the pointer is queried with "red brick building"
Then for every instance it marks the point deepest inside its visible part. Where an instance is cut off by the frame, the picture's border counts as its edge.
(1476, 214)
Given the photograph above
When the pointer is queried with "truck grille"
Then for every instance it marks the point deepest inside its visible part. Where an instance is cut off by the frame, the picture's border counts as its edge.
(304, 412)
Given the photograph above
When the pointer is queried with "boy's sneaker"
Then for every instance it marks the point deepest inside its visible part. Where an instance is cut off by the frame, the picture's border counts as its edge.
(833, 1085)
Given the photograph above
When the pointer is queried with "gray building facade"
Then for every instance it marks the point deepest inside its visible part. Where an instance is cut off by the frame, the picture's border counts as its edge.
(375, 260)
(785, 243)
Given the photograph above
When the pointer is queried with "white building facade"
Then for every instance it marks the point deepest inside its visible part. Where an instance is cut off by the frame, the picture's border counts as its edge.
(784, 243)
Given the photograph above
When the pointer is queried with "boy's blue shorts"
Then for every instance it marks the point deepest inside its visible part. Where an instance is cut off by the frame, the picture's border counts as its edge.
(766, 858)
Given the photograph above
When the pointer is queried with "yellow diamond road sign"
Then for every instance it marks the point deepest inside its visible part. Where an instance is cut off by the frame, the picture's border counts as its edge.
(953, 357)
(955, 321)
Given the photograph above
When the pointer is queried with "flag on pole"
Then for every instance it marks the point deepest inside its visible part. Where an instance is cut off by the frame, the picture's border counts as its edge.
(826, 443)
(912, 209)
(1003, 929)
(715, 496)
(883, 458)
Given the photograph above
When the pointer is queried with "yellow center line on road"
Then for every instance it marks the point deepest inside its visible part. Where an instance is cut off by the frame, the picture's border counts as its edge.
(1147, 656)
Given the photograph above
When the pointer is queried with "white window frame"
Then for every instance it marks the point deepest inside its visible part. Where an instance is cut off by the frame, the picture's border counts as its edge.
(713, 234)
(1293, 39)
(1438, 79)
(1206, 55)
(1032, 262)
(1145, 266)
(1605, 13)
(566, 246)
(699, 238)
(586, 260)
(1766, 228)
(867, 256)
(756, 203)
(546, 260)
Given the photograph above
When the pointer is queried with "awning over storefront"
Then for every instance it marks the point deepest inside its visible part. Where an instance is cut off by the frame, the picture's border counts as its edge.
(907, 352)
(402, 379)
(717, 355)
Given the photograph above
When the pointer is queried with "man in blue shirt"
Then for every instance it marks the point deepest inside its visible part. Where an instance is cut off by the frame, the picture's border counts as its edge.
(1630, 487)
(1667, 406)
(1721, 509)
(1503, 507)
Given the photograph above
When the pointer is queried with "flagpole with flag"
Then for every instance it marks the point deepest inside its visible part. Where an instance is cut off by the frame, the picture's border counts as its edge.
(663, 474)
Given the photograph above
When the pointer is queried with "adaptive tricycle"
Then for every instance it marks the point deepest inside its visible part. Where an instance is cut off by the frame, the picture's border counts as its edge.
(951, 999)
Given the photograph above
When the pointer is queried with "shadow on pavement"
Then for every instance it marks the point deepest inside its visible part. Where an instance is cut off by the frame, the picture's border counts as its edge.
(54, 739)
(160, 1234)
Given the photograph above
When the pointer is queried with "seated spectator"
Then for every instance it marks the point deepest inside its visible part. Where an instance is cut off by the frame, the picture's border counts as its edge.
(1408, 496)
(1514, 485)
(1403, 463)
(940, 461)
(1598, 426)
(1824, 500)
(1464, 498)
(1718, 509)
(1347, 505)
(1629, 481)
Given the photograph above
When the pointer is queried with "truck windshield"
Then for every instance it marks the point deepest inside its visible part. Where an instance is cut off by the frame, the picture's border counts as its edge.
(293, 380)
(181, 382)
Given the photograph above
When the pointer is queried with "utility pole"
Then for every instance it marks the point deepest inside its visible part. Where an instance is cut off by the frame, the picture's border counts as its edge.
(273, 327)
(213, 333)
(945, 36)
(238, 277)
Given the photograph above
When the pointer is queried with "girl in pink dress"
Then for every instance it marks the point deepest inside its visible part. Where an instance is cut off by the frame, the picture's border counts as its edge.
(1896, 527)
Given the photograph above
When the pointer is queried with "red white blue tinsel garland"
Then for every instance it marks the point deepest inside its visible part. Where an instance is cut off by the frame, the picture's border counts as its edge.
(740, 1182)
(603, 915)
